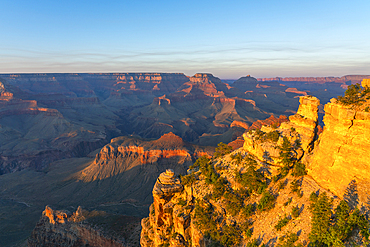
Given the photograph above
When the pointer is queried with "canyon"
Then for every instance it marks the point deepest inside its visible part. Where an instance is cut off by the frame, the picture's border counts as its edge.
(46, 117)
(101, 141)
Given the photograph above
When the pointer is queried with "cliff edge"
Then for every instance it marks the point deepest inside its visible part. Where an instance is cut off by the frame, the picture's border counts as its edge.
(341, 153)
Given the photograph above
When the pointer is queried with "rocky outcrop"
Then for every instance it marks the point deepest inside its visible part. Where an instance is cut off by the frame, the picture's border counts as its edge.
(301, 128)
(341, 153)
(201, 215)
(162, 216)
(61, 228)
(305, 121)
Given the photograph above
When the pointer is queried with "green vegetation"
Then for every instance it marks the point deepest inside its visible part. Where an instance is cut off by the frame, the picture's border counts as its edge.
(329, 227)
(285, 156)
(288, 201)
(234, 203)
(248, 210)
(333, 228)
(295, 212)
(252, 179)
(281, 223)
(200, 162)
(295, 187)
(219, 187)
(206, 168)
(253, 243)
(354, 95)
(299, 169)
(281, 185)
(288, 161)
(187, 179)
(248, 233)
(205, 219)
(267, 201)
(237, 157)
(164, 245)
(289, 240)
(181, 202)
(321, 213)
(272, 136)
(313, 198)
(221, 150)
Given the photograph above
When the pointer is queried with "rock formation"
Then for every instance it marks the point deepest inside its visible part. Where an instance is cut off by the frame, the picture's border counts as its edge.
(305, 121)
(125, 153)
(301, 128)
(341, 154)
(60, 228)
(156, 226)
(203, 214)
(334, 159)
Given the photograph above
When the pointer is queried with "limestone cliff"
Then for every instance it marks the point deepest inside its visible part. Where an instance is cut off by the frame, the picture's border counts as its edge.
(341, 153)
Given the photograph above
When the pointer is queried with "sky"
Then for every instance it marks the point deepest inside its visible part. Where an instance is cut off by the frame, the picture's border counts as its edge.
(230, 39)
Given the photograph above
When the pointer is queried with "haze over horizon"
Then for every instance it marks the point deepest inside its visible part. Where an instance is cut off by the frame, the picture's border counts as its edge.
(229, 40)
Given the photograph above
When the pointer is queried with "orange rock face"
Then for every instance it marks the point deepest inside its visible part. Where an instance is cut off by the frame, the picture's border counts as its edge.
(342, 151)
(305, 121)
(365, 83)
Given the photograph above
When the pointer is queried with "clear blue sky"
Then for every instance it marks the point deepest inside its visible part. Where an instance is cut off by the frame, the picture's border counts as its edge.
(227, 38)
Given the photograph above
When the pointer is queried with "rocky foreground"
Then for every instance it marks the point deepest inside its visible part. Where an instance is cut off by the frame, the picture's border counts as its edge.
(262, 194)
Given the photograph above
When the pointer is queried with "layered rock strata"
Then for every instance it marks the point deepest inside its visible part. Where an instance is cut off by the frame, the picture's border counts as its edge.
(125, 153)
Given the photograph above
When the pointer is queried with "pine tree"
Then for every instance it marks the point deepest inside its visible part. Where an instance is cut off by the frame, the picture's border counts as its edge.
(286, 156)
(320, 221)
(341, 228)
